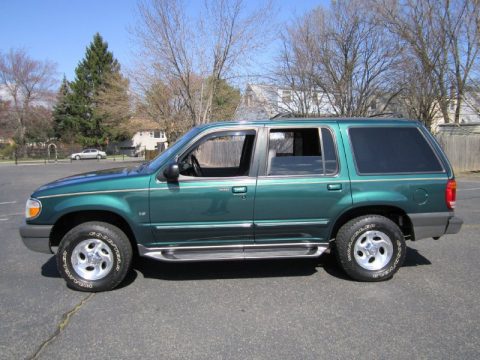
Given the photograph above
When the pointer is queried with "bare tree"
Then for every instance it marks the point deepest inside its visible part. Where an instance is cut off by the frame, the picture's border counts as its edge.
(195, 56)
(442, 37)
(463, 32)
(343, 53)
(28, 85)
(114, 104)
(162, 103)
(296, 70)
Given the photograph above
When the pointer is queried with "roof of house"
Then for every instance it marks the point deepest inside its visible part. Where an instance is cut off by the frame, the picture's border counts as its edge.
(139, 123)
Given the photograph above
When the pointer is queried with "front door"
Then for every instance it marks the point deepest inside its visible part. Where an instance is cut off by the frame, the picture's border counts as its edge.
(212, 202)
(302, 186)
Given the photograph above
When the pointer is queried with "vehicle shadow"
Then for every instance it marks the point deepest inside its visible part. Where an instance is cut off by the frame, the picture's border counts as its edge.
(153, 269)
(225, 269)
(50, 270)
(414, 258)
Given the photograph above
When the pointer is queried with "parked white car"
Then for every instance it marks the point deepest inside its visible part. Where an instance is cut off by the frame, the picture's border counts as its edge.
(89, 154)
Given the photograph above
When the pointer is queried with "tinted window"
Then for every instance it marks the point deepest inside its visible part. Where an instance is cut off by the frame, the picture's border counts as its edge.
(392, 150)
(301, 152)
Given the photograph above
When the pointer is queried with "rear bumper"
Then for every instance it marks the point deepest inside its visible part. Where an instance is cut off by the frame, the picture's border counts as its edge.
(36, 237)
(427, 225)
(454, 225)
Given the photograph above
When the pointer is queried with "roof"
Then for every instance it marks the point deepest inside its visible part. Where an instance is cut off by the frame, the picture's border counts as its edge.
(143, 124)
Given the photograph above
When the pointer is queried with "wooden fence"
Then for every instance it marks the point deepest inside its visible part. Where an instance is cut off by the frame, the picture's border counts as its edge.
(463, 151)
(228, 153)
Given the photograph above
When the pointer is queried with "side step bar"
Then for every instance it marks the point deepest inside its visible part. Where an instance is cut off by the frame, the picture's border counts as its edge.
(234, 252)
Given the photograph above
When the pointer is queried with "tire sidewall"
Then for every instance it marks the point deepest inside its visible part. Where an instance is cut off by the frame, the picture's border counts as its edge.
(72, 239)
(398, 244)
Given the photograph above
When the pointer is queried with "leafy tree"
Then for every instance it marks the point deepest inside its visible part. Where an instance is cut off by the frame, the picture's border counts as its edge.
(81, 111)
(225, 101)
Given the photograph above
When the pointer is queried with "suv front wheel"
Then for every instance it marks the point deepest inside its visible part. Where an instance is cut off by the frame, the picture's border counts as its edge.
(370, 248)
(94, 256)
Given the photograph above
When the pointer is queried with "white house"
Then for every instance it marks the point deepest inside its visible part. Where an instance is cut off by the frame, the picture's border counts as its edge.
(149, 139)
(268, 101)
(469, 115)
(148, 136)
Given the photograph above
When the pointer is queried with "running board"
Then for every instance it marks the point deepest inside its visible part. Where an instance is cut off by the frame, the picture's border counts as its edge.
(234, 252)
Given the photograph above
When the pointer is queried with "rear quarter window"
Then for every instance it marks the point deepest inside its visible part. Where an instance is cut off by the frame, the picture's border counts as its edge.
(392, 150)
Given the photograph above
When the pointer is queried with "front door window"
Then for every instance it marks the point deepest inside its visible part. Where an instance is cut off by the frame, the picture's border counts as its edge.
(225, 154)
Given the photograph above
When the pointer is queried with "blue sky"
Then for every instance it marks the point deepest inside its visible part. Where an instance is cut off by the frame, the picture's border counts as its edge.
(60, 30)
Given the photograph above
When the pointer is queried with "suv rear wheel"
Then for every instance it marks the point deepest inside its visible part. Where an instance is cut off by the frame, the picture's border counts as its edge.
(94, 256)
(370, 248)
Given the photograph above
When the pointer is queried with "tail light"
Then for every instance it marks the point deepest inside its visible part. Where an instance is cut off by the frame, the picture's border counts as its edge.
(451, 193)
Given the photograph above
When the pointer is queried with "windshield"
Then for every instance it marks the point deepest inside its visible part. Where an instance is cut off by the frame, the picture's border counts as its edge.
(161, 158)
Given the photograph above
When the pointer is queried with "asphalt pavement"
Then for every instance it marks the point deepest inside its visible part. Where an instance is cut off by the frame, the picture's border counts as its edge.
(283, 309)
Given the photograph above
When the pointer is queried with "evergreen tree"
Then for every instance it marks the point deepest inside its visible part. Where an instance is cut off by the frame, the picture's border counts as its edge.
(63, 126)
(91, 77)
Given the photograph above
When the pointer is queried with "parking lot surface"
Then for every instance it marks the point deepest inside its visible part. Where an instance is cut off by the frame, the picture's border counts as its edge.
(283, 309)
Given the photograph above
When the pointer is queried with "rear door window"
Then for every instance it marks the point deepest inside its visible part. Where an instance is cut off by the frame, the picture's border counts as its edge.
(392, 150)
(301, 151)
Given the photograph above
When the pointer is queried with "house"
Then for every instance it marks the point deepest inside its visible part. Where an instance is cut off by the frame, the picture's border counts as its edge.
(147, 136)
(149, 139)
(6, 137)
(267, 101)
(469, 116)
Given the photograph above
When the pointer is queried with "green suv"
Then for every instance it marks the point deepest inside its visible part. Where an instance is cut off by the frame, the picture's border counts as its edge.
(289, 188)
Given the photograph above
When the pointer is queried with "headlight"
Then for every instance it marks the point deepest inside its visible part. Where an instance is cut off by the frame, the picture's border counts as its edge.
(33, 208)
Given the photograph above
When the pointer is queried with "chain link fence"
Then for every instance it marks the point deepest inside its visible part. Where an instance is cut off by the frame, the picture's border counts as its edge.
(59, 152)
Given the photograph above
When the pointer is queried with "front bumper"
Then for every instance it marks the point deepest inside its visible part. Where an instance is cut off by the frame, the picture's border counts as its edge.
(36, 237)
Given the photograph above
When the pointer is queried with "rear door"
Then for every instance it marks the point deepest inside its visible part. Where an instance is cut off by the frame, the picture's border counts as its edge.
(303, 184)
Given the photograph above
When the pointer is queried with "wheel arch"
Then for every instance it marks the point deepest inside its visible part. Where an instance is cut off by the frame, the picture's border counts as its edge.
(68, 221)
(396, 214)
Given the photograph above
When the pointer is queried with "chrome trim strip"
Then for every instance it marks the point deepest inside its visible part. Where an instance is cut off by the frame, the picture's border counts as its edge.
(183, 186)
(92, 192)
(205, 226)
(402, 179)
(291, 223)
(143, 248)
(295, 181)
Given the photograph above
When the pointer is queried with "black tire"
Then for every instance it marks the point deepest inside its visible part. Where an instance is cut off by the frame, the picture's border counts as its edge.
(354, 253)
(112, 241)
(99, 157)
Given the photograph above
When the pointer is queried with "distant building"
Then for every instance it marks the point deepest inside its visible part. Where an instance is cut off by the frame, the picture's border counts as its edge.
(147, 136)
(469, 121)
(267, 101)
(149, 139)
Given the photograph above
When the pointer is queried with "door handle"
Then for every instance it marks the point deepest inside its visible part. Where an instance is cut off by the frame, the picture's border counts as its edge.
(333, 187)
(239, 189)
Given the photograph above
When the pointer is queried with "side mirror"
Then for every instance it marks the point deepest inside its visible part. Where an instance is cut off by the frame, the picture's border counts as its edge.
(172, 172)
